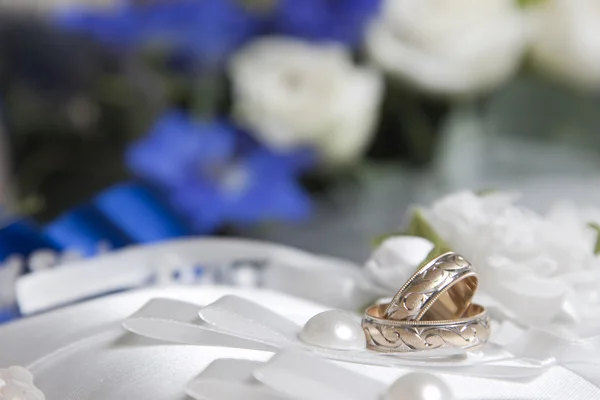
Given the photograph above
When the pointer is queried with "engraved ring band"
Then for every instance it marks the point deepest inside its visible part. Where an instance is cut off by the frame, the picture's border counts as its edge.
(432, 310)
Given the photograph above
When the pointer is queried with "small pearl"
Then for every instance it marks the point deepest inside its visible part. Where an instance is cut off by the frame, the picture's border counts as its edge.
(419, 386)
(334, 329)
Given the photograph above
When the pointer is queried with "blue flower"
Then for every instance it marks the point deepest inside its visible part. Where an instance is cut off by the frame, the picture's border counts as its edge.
(208, 29)
(214, 174)
(267, 189)
(114, 28)
(176, 145)
(296, 161)
(342, 21)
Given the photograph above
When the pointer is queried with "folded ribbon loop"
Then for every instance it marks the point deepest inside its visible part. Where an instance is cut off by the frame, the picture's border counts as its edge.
(285, 269)
(140, 213)
(301, 375)
(244, 318)
(22, 237)
(85, 229)
(289, 374)
(230, 379)
(177, 322)
(240, 319)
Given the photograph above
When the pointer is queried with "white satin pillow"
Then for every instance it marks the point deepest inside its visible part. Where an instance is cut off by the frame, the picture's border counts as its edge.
(103, 362)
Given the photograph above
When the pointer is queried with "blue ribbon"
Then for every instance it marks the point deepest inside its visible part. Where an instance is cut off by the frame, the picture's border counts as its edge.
(124, 214)
(140, 213)
(23, 237)
(84, 229)
(9, 314)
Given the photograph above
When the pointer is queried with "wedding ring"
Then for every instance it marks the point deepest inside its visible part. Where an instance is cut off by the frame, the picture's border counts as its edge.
(392, 336)
(433, 310)
(440, 290)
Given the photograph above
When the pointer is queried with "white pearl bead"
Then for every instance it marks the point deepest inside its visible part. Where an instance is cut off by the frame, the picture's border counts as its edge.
(419, 386)
(334, 329)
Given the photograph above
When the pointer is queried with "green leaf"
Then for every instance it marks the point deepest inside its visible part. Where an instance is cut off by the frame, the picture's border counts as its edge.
(529, 3)
(419, 226)
(485, 192)
(596, 227)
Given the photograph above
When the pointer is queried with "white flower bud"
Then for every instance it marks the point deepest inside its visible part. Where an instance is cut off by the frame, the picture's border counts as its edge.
(397, 259)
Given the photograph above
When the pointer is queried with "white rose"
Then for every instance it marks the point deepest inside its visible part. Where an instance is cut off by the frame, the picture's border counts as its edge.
(567, 41)
(292, 93)
(16, 383)
(536, 266)
(449, 47)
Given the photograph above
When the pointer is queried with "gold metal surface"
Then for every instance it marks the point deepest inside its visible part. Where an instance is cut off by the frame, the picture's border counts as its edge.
(440, 290)
(388, 335)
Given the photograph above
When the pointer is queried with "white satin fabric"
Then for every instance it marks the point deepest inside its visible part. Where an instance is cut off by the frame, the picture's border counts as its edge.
(98, 360)
(243, 323)
(55, 329)
(334, 282)
(288, 375)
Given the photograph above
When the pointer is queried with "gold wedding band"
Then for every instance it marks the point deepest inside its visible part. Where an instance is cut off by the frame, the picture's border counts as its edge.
(388, 335)
(432, 310)
(440, 290)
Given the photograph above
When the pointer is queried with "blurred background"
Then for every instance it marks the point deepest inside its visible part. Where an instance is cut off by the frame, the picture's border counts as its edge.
(314, 123)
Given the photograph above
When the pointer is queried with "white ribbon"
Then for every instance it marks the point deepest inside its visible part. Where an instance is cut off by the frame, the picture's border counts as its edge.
(290, 375)
(236, 318)
(231, 379)
(330, 281)
(581, 356)
(326, 280)
(157, 312)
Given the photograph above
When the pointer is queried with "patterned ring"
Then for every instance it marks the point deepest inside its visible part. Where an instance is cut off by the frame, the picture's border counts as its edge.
(440, 290)
(392, 336)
